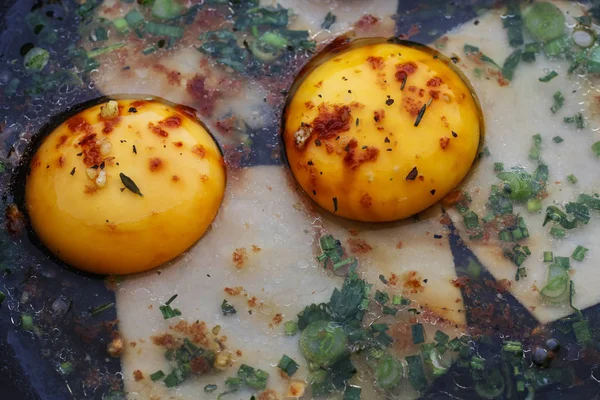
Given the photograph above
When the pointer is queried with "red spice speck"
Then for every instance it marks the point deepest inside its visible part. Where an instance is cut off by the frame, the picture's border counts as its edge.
(444, 142)
(404, 70)
(78, 124)
(355, 157)
(155, 164)
(157, 130)
(366, 21)
(366, 200)
(171, 122)
(205, 98)
(331, 121)
(199, 150)
(376, 62)
(435, 82)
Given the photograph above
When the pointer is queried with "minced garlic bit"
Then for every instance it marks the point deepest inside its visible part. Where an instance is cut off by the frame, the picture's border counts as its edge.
(223, 360)
(115, 347)
(101, 179)
(296, 389)
(92, 173)
(105, 148)
(302, 135)
(110, 110)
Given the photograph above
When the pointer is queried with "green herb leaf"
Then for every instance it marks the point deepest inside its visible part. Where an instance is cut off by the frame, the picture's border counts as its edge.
(559, 101)
(130, 184)
(227, 309)
(549, 76)
(511, 63)
(329, 20)
(288, 365)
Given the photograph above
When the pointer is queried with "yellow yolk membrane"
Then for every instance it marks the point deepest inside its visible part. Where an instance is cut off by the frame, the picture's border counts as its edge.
(379, 131)
(124, 186)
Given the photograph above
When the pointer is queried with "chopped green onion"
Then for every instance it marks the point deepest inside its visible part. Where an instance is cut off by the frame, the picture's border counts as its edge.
(557, 47)
(134, 18)
(582, 332)
(99, 309)
(559, 101)
(36, 59)
(512, 346)
(511, 63)
(381, 297)
(596, 148)
(388, 372)
(513, 23)
(441, 337)
(591, 202)
(329, 20)
(471, 220)
(352, 262)
(291, 328)
(534, 205)
(517, 185)
(477, 363)
(379, 327)
(288, 365)
(580, 211)
(416, 373)
(352, 392)
(418, 333)
(121, 25)
(577, 119)
(101, 34)
(593, 61)
(106, 49)
(26, 322)
(66, 368)
(544, 21)
(498, 167)
(563, 262)
(556, 290)
(227, 309)
(156, 29)
(149, 50)
(166, 9)
(579, 253)
(158, 375)
(553, 213)
(233, 382)
(572, 178)
(167, 311)
(534, 152)
(548, 256)
(253, 378)
(558, 232)
(549, 77)
(210, 388)
(557, 139)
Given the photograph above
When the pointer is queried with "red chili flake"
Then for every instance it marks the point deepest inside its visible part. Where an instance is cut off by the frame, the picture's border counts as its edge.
(78, 124)
(404, 70)
(175, 178)
(376, 62)
(171, 122)
(309, 105)
(366, 200)
(178, 144)
(412, 106)
(331, 120)
(61, 141)
(157, 130)
(155, 163)
(379, 115)
(435, 82)
(366, 21)
(355, 157)
(138, 375)
(444, 142)
(435, 94)
(358, 246)
(61, 161)
(109, 125)
(204, 97)
(91, 150)
(199, 150)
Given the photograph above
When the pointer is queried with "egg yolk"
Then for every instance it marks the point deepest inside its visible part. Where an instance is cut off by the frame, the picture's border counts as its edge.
(380, 131)
(124, 186)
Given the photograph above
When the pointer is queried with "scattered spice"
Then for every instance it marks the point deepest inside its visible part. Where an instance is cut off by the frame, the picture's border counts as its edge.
(130, 184)
(412, 175)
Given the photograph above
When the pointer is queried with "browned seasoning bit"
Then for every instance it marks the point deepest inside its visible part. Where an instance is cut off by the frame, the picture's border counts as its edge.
(432, 191)
(73, 171)
(389, 102)
(412, 175)
(444, 142)
(134, 149)
(454, 134)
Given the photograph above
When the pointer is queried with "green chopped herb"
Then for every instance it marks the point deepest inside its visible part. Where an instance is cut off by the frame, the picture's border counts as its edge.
(158, 375)
(577, 119)
(558, 232)
(580, 211)
(553, 213)
(134, 18)
(329, 20)
(288, 365)
(290, 328)
(596, 148)
(381, 297)
(66, 368)
(471, 220)
(513, 23)
(558, 139)
(511, 63)
(530, 52)
(592, 202)
(352, 392)
(130, 184)
(36, 59)
(121, 25)
(390, 310)
(101, 34)
(106, 49)
(149, 50)
(210, 388)
(579, 253)
(26, 322)
(572, 178)
(99, 309)
(167, 311)
(498, 167)
(383, 279)
(233, 382)
(418, 333)
(471, 50)
(253, 378)
(441, 337)
(166, 9)
(227, 309)
(549, 77)
(534, 205)
(544, 21)
(582, 332)
(562, 262)
(548, 256)
(559, 101)
(534, 152)
(416, 373)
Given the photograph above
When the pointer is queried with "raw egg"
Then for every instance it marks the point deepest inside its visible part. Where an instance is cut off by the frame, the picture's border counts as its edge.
(124, 186)
(379, 131)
